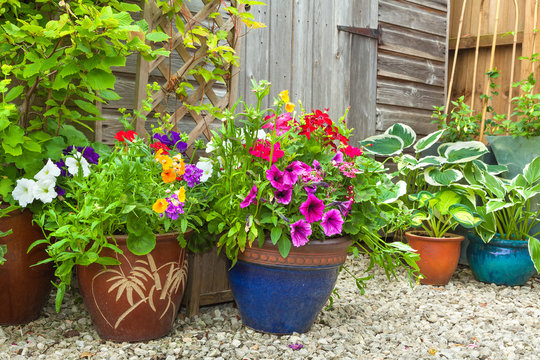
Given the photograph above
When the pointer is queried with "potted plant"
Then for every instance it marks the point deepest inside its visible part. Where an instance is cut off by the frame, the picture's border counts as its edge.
(504, 249)
(288, 196)
(122, 218)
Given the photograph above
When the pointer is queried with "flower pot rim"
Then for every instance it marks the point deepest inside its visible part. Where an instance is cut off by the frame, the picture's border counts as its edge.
(497, 241)
(418, 235)
(123, 237)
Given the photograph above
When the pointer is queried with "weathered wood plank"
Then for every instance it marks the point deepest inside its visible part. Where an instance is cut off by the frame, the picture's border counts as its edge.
(412, 69)
(440, 5)
(280, 56)
(411, 16)
(414, 43)
(302, 49)
(469, 42)
(419, 120)
(413, 95)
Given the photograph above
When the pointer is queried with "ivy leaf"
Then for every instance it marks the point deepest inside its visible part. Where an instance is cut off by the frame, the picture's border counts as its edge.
(100, 80)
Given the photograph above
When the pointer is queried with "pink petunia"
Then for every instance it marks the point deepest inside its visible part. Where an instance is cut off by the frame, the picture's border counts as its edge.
(300, 232)
(276, 178)
(312, 208)
(283, 196)
(332, 222)
(251, 198)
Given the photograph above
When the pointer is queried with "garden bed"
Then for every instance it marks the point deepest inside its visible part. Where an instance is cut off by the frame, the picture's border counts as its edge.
(464, 320)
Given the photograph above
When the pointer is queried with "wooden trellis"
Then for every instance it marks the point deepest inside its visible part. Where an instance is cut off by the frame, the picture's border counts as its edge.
(203, 90)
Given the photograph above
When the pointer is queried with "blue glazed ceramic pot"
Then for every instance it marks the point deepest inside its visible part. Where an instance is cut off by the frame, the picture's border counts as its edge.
(500, 262)
(282, 296)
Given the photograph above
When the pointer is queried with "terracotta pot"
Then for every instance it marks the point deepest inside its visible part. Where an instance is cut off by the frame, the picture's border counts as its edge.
(284, 295)
(24, 289)
(139, 299)
(438, 256)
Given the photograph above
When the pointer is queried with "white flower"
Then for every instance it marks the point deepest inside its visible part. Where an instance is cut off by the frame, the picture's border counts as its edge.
(210, 146)
(75, 162)
(24, 192)
(206, 166)
(49, 172)
(45, 192)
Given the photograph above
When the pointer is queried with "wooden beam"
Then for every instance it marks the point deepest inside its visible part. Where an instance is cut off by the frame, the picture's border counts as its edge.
(469, 41)
(531, 41)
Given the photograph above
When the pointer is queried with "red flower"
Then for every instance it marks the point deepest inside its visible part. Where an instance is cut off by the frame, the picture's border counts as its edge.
(262, 149)
(159, 145)
(352, 151)
(125, 135)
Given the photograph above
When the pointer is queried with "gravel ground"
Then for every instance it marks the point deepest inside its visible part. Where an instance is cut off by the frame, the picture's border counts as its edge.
(464, 320)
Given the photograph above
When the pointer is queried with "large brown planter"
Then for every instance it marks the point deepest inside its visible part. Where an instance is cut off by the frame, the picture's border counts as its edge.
(139, 299)
(24, 289)
(438, 256)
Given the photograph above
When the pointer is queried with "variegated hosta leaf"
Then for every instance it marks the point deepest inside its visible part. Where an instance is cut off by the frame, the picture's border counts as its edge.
(464, 151)
(384, 145)
(464, 216)
(442, 148)
(526, 194)
(418, 217)
(422, 197)
(531, 172)
(519, 180)
(428, 141)
(390, 195)
(429, 160)
(404, 132)
(473, 175)
(494, 205)
(495, 185)
(497, 169)
(407, 161)
(447, 198)
(435, 177)
(534, 251)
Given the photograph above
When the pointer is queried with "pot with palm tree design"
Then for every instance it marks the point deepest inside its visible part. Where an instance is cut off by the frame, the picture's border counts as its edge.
(137, 300)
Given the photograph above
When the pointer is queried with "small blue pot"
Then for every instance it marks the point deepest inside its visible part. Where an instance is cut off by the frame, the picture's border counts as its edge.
(500, 262)
(282, 296)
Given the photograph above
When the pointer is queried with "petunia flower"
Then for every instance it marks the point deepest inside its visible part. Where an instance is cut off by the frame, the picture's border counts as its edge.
(343, 206)
(251, 198)
(205, 164)
(44, 191)
(24, 191)
(87, 152)
(280, 124)
(49, 172)
(332, 222)
(283, 196)
(338, 158)
(60, 190)
(160, 206)
(276, 178)
(125, 135)
(310, 189)
(292, 172)
(312, 208)
(300, 232)
(76, 162)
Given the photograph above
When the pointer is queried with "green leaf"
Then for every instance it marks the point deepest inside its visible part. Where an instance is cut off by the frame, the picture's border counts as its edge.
(13, 94)
(14, 136)
(157, 36)
(107, 261)
(31, 145)
(88, 107)
(534, 251)
(284, 245)
(404, 132)
(100, 80)
(142, 242)
(384, 145)
(87, 258)
(464, 216)
(495, 205)
(531, 172)
(428, 141)
(418, 217)
(464, 151)
(436, 177)
(6, 187)
(31, 69)
(275, 234)
(447, 198)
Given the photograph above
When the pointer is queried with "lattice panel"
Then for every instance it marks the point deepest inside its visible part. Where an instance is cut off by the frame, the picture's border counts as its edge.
(203, 91)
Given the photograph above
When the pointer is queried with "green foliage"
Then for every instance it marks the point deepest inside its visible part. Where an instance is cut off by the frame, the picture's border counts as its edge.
(4, 211)
(460, 124)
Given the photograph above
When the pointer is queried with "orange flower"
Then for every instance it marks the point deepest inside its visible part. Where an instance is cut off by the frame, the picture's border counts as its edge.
(168, 175)
(289, 107)
(181, 194)
(160, 205)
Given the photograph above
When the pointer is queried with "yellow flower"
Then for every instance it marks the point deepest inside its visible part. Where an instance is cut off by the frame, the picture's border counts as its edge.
(179, 165)
(160, 205)
(289, 107)
(165, 161)
(181, 194)
(284, 95)
(168, 175)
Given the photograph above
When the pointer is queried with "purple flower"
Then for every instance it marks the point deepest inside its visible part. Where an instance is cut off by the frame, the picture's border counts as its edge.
(291, 173)
(60, 191)
(283, 196)
(316, 165)
(62, 166)
(332, 222)
(312, 208)
(300, 232)
(338, 158)
(172, 140)
(175, 207)
(276, 177)
(296, 346)
(251, 198)
(87, 152)
(310, 189)
(162, 138)
(343, 206)
(193, 174)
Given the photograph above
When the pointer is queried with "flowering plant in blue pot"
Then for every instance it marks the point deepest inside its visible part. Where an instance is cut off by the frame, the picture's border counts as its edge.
(288, 191)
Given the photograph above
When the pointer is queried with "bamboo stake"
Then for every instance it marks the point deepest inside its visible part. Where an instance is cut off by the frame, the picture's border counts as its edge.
(512, 67)
(451, 83)
(491, 60)
(477, 50)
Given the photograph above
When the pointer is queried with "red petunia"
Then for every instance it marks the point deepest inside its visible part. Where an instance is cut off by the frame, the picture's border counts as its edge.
(125, 135)
(159, 145)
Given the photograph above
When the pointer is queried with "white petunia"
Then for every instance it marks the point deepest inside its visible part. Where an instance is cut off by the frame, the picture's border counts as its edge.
(75, 162)
(210, 146)
(260, 135)
(206, 166)
(49, 172)
(45, 192)
(24, 191)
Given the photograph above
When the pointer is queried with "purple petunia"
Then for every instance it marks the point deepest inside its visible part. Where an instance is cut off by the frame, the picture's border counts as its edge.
(332, 222)
(312, 209)
(276, 177)
(338, 158)
(296, 346)
(193, 174)
(300, 232)
(251, 198)
(310, 189)
(172, 140)
(343, 206)
(60, 191)
(283, 196)
(87, 152)
(292, 172)
(62, 166)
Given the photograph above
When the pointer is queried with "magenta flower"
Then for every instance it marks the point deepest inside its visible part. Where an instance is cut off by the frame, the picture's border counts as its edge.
(312, 208)
(283, 196)
(338, 158)
(291, 173)
(343, 206)
(332, 222)
(276, 178)
(300, 232)
(310, 189)
(251, 198)
(281, 124)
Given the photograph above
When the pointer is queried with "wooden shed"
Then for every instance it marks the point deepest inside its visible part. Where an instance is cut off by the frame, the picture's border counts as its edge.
(387, 59)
